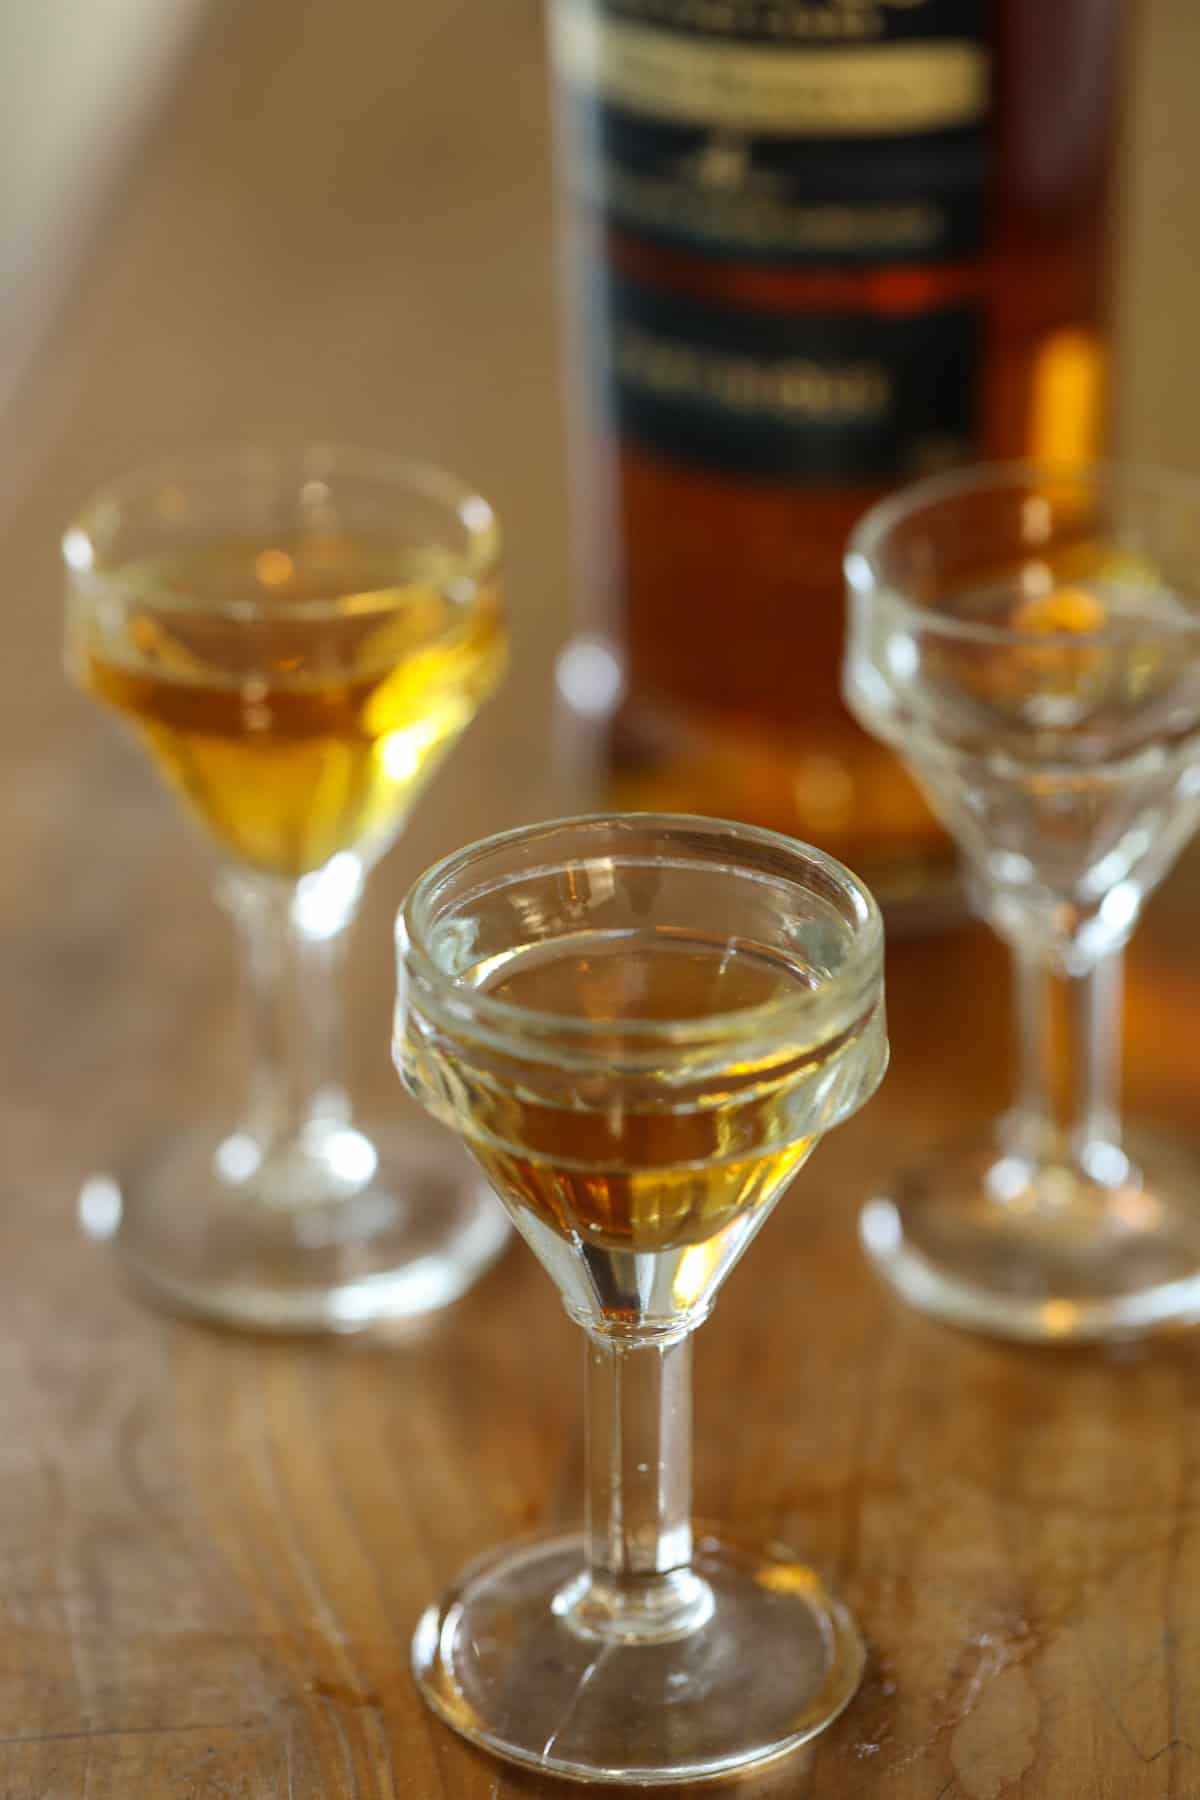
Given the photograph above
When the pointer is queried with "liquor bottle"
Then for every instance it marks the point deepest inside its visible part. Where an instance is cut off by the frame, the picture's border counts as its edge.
(815, 248)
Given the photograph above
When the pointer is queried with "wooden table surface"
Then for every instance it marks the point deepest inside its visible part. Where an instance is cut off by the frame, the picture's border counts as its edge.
(212, 1550)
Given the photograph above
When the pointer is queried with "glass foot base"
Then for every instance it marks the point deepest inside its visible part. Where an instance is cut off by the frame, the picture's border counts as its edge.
(351, 1232)
(997, 1244)
(773, 1661)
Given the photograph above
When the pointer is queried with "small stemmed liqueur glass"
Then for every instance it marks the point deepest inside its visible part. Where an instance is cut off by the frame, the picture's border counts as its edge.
(297, 638)
(641, 1026)
(1029, 641)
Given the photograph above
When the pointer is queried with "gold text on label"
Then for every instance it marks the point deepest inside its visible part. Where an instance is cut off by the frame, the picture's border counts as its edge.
(808, 21)
(789, 389)
(771, 90)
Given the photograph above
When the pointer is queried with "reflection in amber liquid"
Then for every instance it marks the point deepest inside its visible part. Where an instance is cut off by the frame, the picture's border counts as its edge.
(646, 1160)
(296, 694)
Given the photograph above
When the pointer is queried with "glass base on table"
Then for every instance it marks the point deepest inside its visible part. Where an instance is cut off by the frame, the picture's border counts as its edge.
(336, 1233)
(763, 1661)
(1045, 1254)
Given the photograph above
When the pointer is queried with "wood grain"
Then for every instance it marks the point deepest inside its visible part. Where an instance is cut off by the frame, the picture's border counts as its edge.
(213, 1551)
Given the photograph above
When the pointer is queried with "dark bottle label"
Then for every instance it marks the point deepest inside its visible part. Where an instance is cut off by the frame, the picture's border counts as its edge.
(802, 133)
(806, 396)
(786, 134)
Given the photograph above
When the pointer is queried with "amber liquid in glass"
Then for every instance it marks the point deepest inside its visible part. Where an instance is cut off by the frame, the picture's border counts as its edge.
(297, 694)
(643, 1159)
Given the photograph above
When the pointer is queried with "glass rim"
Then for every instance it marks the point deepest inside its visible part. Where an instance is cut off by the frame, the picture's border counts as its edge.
(865, 578)
(313, 462)
(837, 998)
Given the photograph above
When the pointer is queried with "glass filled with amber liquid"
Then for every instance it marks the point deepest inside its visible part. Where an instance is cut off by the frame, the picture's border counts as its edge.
(297, 639)
(641, 1026)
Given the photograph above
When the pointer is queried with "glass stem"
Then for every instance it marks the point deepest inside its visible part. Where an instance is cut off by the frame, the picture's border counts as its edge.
(639, 1585)
(1070, 1037)
(292, 942)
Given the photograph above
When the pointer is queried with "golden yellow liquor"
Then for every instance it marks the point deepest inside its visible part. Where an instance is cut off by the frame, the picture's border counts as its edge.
(298, 693)
(652, 1161)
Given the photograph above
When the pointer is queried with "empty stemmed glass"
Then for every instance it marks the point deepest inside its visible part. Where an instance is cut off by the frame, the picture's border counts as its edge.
(1029, 641)
(641, 1026)
(297, 638)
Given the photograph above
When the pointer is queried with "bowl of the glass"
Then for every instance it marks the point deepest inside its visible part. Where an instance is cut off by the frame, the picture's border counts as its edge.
(1055, 729)
(641, 1028)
